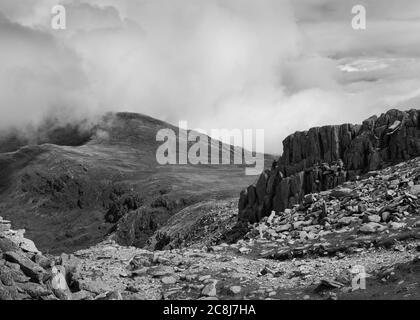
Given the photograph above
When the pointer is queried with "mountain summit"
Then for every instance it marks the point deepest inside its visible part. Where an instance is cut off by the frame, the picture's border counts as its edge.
(70, 196)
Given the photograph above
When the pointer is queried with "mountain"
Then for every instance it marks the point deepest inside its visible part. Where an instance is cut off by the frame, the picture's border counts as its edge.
(343, 223)
(71, 186)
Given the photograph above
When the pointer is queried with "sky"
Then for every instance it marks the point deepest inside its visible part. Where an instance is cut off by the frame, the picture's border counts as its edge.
(278, 65)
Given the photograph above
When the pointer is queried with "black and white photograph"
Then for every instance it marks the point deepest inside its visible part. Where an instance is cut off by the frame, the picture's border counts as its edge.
(221, 157)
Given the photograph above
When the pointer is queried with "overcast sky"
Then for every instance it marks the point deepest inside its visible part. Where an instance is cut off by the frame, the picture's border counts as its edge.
(278, 65)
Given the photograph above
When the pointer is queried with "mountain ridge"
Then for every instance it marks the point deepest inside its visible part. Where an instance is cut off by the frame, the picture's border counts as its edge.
(70, 197)
(324, 157)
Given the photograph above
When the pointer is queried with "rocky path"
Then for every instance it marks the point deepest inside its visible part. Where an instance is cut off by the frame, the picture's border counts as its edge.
(222, 274)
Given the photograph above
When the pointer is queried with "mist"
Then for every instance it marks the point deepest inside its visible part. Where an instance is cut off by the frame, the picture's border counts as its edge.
(276, 65)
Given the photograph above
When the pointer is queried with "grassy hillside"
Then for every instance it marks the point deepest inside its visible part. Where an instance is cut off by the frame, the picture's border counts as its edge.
(70, 197)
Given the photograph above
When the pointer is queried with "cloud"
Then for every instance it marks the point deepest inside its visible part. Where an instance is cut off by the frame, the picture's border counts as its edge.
(272, 64)
(38, 76)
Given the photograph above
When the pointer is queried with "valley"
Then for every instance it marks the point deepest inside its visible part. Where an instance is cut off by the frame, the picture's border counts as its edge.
(121, 228)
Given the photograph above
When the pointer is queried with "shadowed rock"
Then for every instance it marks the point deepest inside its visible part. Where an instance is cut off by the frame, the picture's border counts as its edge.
(324, 157)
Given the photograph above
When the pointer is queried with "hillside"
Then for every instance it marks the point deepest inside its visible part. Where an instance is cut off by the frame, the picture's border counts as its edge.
(149, 232)
(69, 197)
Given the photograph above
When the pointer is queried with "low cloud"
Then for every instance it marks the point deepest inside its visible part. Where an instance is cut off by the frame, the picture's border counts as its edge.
(278, 65)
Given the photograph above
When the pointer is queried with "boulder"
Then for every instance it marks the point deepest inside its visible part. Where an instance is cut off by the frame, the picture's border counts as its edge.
(396, 225)
(415, 190)
(284, 227)
(373, 218)
(8, 245)
(235, 290)
(210, 290)
(29, 268)
(34, 290)
(372, 227)
(169, 280)
(340, 193)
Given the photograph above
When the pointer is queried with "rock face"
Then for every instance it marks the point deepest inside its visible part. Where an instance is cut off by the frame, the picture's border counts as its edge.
(21, 277)
(27, 274)
(325, 157)
(379, 210)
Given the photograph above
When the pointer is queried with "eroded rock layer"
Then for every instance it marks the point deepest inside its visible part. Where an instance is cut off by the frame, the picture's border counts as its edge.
(324, 157)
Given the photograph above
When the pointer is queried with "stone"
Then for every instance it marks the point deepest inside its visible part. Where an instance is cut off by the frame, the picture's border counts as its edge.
(94, 286)
(29, 268)
(28, 246)
(204, 278)
(341, 193)
(17, 236)
(396, 225)
(82, 295)
(210, 290)
(361, 207)
(309, 199)
(190, 277)
(35, 290)
(17, 274)
(372, 227)
(298, 224)
(7, 245)
(415, 190)
(111, 295)
(169, 280)
(160, 271)
(5, 294)
(303, 235)
(63, 294)
(394, 126)
(140, 261)
(386, 216)
(43, 261)
(284, 227)
(58, 281)
(345, 221)
(374, 218)
(235, 290)
(327, 284)
(244, 250)
(6, 276)
(271, 217)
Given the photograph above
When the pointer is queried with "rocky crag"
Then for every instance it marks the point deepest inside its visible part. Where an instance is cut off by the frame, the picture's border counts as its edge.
(27, 274)
(325, 157)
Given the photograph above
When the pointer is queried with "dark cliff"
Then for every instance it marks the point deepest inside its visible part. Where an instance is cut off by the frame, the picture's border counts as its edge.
(324, 157)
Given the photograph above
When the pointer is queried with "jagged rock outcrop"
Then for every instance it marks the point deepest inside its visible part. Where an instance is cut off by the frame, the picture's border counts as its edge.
(27, 274)
(22, 267)
(324, 157)
(350, 216)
